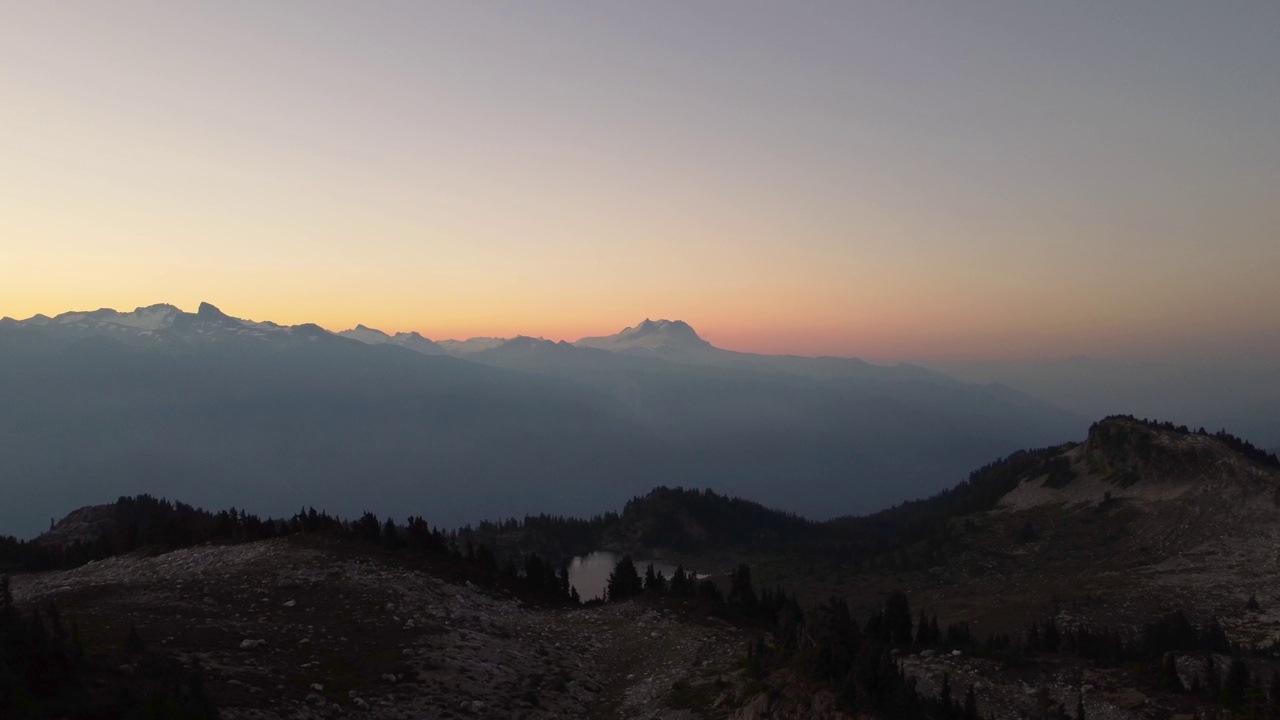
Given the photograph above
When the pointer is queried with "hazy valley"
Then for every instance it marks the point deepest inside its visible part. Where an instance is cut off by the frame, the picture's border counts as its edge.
(222, 411)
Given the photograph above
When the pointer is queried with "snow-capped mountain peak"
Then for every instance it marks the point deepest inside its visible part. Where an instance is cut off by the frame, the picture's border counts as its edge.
(160, 324)
(144, 319)
(650, 336)
(154, 317)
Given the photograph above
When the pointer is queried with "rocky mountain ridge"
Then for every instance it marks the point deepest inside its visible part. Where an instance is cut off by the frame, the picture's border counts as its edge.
(669, 339)
(1147, 462)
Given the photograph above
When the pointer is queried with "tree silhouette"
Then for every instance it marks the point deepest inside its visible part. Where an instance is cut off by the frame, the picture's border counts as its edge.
(624, 581)
(970, 705)
(897, 614)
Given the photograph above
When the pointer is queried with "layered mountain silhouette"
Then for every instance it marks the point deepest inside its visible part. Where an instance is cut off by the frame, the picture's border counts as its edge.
(222, 410)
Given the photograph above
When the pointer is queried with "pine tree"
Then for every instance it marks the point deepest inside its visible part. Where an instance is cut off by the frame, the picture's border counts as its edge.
(1236, 685)
(624, 581)
(1051, 640)
(1212, 684)
(897, 611)
(741, 594)
(564, 581)
(679, 581)
(1169, 671)
(1273, 695)
(6, 598)
(660, 583)
(391, 536)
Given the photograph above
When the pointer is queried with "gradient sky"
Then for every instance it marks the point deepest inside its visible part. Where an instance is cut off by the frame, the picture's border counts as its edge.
(887, 180)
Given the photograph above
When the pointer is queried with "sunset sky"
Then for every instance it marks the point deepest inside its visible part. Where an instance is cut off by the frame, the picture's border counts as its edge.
(889, 180)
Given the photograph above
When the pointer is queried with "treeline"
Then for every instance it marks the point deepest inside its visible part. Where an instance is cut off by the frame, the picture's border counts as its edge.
(858, 661)
(145, 523)
(662, 518)
(44, 673)
(1237, 444)
(138, 522)
(1170, 633)
(555, 537)
(1225, 677)
(742, 604)
(916, 534)
(825, 643)
(416, 537)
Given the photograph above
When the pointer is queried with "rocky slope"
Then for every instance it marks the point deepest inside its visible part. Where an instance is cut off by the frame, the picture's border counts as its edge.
(1137, 521)
(292, 628)
(1174, 519)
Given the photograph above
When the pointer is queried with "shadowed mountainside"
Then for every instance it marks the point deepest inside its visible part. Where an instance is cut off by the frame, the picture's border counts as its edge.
(227, 411)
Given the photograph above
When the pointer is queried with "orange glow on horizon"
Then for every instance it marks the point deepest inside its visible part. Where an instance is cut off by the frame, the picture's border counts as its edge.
(863, 187)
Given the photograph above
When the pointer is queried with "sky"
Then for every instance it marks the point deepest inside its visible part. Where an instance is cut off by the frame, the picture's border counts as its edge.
(887, 180)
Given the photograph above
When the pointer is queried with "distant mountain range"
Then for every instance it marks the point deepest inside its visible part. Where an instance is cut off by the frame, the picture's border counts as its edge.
(410, 340)
(672, 340)
(221, 410)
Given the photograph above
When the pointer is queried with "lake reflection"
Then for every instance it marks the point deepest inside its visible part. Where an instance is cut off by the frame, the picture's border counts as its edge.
(590, 573)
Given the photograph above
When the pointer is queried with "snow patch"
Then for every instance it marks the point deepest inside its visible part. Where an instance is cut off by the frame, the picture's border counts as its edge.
(151, 318)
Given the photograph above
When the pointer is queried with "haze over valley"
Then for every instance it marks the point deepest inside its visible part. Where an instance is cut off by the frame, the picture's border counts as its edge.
(224, 411)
